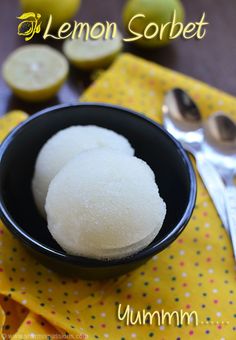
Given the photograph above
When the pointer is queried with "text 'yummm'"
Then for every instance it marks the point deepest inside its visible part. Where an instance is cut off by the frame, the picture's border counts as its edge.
(108, 30)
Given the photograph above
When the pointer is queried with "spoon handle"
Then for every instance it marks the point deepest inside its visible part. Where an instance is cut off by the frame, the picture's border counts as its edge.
(213, 184)
(230, 202)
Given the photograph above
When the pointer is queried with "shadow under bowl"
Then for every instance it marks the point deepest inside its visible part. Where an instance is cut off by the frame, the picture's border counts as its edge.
(171, 165)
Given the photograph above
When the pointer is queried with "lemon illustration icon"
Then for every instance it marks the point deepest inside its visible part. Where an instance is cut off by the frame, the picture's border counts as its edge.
(30, 25)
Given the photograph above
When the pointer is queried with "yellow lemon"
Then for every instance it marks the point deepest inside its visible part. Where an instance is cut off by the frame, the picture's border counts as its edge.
(92, 54)
(61, 11)
(157, 11)
(35, 72)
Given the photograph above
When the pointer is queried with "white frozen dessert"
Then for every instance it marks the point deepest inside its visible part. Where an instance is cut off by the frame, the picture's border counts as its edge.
(104, 204)
(65, 145)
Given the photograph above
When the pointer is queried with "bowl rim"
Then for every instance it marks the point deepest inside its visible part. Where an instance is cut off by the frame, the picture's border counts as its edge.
(19, 232)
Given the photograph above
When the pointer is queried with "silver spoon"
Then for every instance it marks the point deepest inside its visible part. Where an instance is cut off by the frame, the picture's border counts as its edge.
(183, 120)
(220, 147)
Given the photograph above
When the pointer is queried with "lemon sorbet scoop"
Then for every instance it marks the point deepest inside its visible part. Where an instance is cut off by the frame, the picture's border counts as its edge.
(104, 204)
(65, 145)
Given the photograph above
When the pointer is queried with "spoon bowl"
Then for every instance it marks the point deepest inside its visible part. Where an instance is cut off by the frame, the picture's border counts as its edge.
(182, 119)
(220, 132)
(183, 110)
(220, 146)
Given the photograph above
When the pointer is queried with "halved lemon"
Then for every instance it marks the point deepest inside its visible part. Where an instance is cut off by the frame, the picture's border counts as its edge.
(35, 72)
(92, 54)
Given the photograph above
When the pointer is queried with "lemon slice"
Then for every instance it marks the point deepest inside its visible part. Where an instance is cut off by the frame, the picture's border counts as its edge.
(35, 72)
(92, 54)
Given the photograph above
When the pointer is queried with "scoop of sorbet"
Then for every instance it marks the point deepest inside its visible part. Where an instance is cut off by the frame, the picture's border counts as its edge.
(104, 204)
(65, 145)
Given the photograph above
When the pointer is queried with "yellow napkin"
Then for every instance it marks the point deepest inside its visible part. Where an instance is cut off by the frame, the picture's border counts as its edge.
(196, 273)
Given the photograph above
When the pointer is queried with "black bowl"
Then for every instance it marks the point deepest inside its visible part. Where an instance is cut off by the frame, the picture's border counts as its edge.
(152, 143)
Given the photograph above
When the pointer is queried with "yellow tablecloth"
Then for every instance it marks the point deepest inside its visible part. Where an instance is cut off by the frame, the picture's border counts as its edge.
(196, 273)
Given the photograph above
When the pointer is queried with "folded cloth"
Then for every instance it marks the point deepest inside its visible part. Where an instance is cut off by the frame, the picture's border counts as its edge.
(195, 274)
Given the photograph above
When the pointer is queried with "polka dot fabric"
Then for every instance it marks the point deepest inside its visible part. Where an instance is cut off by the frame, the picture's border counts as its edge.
(196, 273)
(33, 326)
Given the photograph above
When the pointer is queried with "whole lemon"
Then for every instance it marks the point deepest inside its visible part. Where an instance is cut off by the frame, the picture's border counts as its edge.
(156, 11)
(61, 11)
